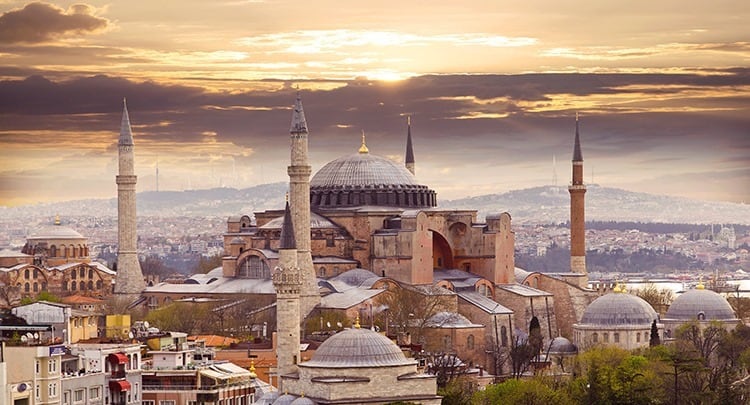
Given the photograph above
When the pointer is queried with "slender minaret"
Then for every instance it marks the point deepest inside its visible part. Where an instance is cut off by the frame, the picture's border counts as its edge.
(129, 280)
(287, 282)
(299, 195)
(577, 211)
(409, 160)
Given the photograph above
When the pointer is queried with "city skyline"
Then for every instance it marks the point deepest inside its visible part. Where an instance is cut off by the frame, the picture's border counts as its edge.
(662, 91)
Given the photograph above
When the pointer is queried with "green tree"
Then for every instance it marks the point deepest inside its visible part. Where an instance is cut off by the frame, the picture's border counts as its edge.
(410, 307)
(185, 317)
(659, 299)
(206, 264)
(654, 339)
(524, 392)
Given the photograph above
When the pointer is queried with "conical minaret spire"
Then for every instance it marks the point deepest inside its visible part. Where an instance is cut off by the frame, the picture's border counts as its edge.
(409, 157)
(577, 211)
(129, 280)
(299, 172)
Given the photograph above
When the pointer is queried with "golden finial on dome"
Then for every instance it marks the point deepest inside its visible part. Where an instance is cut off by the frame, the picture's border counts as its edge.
(700, 285)
(356, 323)
(618, 287)
(57, 219)
(252, 369)
(363, 148)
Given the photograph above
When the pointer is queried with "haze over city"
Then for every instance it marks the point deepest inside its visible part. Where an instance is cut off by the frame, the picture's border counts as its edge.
(662, 89)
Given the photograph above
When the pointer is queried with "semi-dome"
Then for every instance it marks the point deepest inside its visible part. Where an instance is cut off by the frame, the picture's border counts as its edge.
(700, 304)
(618, 309)
(366, 179)
(358, 348)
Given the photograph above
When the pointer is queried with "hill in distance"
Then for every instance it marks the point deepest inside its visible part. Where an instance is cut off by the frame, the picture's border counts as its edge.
(544, 204)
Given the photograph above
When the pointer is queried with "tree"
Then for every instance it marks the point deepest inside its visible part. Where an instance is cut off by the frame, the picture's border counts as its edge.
(524, 392)
(659, 299)
(206, 264)
(185, 317)
(654, 340)
(10, 295)
(535, 337)
(410, 307)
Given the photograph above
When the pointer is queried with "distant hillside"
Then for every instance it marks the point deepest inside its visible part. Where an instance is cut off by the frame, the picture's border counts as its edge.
(546, 204)
(550, 204)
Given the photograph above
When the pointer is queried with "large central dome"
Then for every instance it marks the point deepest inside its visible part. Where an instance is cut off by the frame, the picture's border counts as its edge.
(365, 179)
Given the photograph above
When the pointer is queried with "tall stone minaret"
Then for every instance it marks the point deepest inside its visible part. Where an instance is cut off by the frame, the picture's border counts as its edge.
(129, 280)
(299, 194)
(409, 159)
(577, 211)
(287, 282)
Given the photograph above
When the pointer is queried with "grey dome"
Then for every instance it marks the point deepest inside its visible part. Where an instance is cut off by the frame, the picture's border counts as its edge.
(55, 232)
(303, 401)
(365, 179)
(619, 309)
(285, 399)
(692, 303)
(561, 345)
(358, 348)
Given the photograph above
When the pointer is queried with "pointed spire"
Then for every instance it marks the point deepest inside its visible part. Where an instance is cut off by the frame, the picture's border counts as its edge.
(287, 230)
(363, 148)
(57, 219)
(409, 150)
(299, 124)
(126, 134)
(577, 155)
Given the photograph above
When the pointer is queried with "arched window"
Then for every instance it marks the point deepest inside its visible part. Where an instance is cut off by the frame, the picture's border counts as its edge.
(617, 337)
(26, 274)
(73, 274)
(606, 337)
(701, 316)
(595, 337)
(322, 272)
(99, 284)
(36, 287)
(254, 267)
(82, 286)
(36, 273)
(82, 272)
(504, 336)
(91, 273)
(638, 337)
(53, 251)
(470, 342)
(72, 286)
(65, 286)
(27, 287)
(91, 285)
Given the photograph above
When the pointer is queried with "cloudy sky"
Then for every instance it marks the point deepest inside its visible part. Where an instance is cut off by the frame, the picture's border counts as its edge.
(662, 88)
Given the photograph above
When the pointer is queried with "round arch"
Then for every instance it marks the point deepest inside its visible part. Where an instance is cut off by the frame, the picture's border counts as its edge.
(442, 253)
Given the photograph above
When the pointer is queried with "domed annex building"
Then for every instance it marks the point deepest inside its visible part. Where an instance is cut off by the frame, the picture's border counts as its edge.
(617, 319)
(358, 365)
(701, 306)
(56, 259)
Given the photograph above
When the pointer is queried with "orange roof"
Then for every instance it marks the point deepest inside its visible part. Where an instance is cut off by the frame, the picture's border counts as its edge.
(81, 299)
(214, 340)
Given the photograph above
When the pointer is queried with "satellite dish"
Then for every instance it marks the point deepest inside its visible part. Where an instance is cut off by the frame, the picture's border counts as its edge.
(36, 335)
(328, 324)
(29, 335)
(130, 335)
(146, 324)
(24, 338)
(339, 324)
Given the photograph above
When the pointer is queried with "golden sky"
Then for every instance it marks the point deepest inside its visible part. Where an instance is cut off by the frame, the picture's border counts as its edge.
(663, 89)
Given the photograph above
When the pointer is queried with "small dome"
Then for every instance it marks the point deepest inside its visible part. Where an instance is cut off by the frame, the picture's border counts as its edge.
(55, 232)
(285, 399)
(303, 401)
(692, 303)
(618, 309)
(561, 345)
(358, 348)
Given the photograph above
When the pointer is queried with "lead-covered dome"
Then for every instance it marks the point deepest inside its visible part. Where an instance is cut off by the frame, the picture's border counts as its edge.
(618, 309)
(366, 179)
(700, 304)
(358, 348)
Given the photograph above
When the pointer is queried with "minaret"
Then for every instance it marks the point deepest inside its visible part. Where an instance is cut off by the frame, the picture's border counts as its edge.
(577, 211)
(129, 280)
(299, 194)
(409, 160)
(287, 282)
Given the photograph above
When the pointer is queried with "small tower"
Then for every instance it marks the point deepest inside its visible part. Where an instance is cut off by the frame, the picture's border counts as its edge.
(577, 211)
(129, 280)
(299, 194)
(287, 280)
(409, 157)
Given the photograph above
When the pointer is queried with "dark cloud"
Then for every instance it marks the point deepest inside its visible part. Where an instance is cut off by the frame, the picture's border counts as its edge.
(40, 22)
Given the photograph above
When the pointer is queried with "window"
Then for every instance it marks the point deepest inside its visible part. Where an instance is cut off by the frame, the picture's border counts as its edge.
(52, 390)
(52, 364)
(38, 391)
(27, 287)
(83, 272)
(170, 402)
(79, 395)
(73, 274)
(504, 336)
(595, 337)
(94, 393)
(638, 337)
(147, 402)
(617, 337)
(38, 367)
(36, 273)
(82, 286)
(91, 273)
(66, 398)
(606, 338)
(135, 391)
(26, 274)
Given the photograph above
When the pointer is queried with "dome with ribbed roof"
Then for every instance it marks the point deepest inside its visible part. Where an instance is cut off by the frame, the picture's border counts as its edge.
(618, 309)
(358, 348)
(700, 304)
(561, 345)
(55, 232)
(366, 179)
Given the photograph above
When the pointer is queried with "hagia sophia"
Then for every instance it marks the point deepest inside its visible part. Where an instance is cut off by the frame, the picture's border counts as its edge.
(358, 229)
